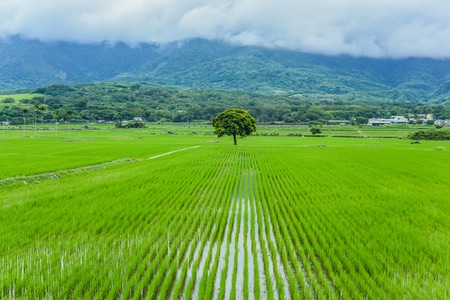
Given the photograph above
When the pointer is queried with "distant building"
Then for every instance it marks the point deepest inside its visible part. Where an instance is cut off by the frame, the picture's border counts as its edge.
(378, 122)
(425, 116)
(137, 119)
(5, 123)
(397, 120)
(442, 122)
(338, 122)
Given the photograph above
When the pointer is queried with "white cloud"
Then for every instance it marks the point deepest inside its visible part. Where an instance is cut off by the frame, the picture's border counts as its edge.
(376, 28)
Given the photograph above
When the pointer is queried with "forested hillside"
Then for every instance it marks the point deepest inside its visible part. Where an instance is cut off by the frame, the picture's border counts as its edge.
(124, 101)
(214, 65)
(31, 63)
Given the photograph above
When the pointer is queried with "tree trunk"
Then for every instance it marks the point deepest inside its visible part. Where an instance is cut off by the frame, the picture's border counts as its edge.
(234, 139)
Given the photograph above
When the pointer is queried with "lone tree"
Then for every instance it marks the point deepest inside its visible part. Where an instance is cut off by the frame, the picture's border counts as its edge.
(315, 130)
(234, 121)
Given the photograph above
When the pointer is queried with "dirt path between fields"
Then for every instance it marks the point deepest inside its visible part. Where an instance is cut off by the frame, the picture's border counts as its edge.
(36, 178)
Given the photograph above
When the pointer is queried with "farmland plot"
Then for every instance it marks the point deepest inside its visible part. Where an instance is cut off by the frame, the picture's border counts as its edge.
(222, 222)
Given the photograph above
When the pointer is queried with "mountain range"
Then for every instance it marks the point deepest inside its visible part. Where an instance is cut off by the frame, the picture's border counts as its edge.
(216, 65)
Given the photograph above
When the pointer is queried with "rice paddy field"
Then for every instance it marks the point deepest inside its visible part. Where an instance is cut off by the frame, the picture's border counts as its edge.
(142, 214)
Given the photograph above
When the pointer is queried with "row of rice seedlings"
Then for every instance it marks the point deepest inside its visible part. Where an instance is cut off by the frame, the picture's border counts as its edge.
(307, 253)
(311, 253)
(114, 230)
(150, 257)
(338, 234)
(249, 276)
(223, 285)
(222, 193)
(362, 265)
(282, 185)
(227, 269)
(357, 269)
(144, 254)
(359, 264)
(113, 278)
(254, 278)
(247, 244)
(259, 288)
(219, 197)
(370, 265)
(296, 253)
(36, 267)
(219, 284)
(223, 238)
(231, 255)
(253, 286)
(163, 281)
(185, 269)
(170, 265)
(236, 291)
(136, 264)
(201, 252)
(240, 245)
(274, 242)
(262, 237)
(257, 282)
(329, 237)
(249, 281)
(176, 264)
(286, 286)
(317, 239)
(362, 259)
(42, 278)
(199, 261)
(189, 251)
(160, 244)
(284, 246)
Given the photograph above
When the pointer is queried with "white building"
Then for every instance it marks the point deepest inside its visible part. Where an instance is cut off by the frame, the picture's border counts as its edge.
(442, 122)
(398, 120)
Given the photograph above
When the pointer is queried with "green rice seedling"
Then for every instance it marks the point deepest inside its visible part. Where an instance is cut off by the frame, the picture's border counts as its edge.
(264, 250)
(223, 278)
(208, 280)
(353, 219)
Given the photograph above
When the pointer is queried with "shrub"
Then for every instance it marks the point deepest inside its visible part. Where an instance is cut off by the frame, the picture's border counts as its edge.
(437, 135)
(315, 130)
(8, 100)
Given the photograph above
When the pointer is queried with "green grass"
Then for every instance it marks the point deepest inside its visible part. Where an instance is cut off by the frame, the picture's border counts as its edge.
(53, 151)
(317, 217)
(18, 97)
(341, 131)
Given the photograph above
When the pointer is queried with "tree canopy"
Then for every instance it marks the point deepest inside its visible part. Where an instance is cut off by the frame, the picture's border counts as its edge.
(234, 121)
(437, 135)
(112, 102)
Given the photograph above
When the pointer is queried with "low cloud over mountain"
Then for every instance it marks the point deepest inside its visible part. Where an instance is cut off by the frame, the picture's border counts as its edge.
(373, 28)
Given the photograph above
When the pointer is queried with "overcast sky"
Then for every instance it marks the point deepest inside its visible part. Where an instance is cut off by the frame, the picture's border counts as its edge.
(376, 28)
